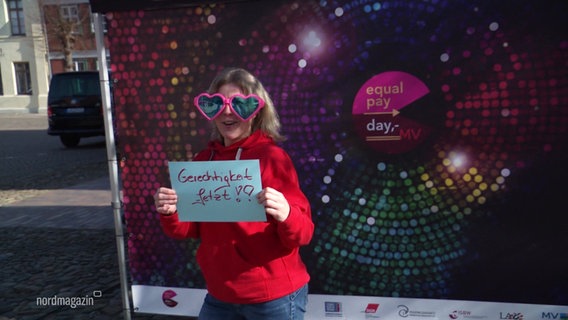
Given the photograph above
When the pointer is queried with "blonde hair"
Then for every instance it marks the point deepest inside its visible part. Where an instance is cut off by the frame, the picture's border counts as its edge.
(267, 120)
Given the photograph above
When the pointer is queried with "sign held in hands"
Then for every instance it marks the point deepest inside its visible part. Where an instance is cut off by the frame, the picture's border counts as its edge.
(217, 191)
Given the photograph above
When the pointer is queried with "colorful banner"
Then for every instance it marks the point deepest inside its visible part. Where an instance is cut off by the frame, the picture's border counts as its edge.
(429, 136)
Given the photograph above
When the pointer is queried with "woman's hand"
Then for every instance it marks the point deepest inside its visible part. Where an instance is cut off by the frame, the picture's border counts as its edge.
(275, 204)
(165, 200)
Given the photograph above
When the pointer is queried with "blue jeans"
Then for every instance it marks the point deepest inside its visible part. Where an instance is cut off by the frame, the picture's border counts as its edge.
(290, 307)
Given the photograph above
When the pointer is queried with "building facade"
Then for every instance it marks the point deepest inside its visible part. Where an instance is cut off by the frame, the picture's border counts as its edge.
(70, 33)
(24, 67)
(39, 38)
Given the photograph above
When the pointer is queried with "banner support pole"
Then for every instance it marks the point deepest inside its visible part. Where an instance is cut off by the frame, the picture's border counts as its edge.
(112, 161)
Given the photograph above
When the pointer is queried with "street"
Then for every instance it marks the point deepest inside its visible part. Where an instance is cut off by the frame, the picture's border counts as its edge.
(57, 237)
(32, 161)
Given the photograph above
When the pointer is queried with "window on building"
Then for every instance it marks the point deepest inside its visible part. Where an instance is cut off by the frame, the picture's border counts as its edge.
(105, 27)
(81, 65)
(70, 13)
(23, 79)
(16, 13)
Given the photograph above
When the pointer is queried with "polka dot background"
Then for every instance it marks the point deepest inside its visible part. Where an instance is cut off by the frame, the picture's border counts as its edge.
(473, 201)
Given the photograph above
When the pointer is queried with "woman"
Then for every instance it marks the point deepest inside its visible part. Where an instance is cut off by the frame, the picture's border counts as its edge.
(253, 270)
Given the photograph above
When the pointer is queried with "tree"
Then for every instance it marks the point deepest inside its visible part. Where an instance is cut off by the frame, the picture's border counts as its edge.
(64, 25)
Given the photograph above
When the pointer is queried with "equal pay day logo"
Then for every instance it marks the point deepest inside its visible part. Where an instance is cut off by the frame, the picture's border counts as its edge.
(378, 112)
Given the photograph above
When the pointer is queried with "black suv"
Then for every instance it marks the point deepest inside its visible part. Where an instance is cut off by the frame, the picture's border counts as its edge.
(74, 107)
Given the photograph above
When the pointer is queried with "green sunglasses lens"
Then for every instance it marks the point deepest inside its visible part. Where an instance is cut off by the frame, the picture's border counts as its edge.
(245, 107)
(210, 105)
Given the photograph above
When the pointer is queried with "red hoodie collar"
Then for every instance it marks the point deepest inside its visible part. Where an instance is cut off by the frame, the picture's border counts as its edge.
(256, 138)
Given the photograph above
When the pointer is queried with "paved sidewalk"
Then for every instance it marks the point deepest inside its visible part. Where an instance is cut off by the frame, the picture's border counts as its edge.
(61, 243)
(85, 206)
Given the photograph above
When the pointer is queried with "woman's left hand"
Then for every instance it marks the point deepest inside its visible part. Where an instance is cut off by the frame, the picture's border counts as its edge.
(275, 204)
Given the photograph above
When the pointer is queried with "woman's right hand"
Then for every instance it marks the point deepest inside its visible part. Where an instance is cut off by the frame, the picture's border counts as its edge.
(165, 200)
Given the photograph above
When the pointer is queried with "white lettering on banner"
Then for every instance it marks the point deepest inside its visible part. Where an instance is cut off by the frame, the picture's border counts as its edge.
(386, 127)
(379, 91)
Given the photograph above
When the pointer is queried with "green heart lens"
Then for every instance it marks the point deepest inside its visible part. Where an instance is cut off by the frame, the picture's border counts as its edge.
(245, 107)
(210, 106)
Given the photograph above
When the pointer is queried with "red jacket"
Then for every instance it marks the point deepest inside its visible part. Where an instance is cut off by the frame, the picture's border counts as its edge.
(252, 262)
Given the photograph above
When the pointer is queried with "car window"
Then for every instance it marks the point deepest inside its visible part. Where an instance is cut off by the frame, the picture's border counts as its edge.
(74, 86)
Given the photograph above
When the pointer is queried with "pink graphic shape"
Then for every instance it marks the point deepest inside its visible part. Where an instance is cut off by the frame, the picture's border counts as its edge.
(387, 92)
(167, 298)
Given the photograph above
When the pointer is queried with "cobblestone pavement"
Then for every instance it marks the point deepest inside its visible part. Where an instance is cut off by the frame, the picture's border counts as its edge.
(57, 238)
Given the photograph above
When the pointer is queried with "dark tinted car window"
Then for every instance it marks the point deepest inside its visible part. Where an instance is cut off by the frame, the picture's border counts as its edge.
(76, 86)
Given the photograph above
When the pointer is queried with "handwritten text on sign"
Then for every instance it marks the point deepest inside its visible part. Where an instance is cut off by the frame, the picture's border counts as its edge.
(217, 190)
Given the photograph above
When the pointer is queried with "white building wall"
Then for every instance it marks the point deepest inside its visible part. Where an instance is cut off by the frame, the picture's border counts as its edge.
(30, 48)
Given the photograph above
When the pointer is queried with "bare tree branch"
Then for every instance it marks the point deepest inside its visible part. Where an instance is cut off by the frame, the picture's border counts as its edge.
(62, 29)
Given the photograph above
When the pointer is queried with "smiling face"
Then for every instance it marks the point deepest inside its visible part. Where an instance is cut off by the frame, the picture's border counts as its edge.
(231, 128)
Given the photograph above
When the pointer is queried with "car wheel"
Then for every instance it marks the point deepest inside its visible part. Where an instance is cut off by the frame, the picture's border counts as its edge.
(69, 140)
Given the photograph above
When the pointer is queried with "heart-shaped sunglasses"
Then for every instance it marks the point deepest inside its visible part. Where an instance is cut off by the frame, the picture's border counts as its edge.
(244, 107)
